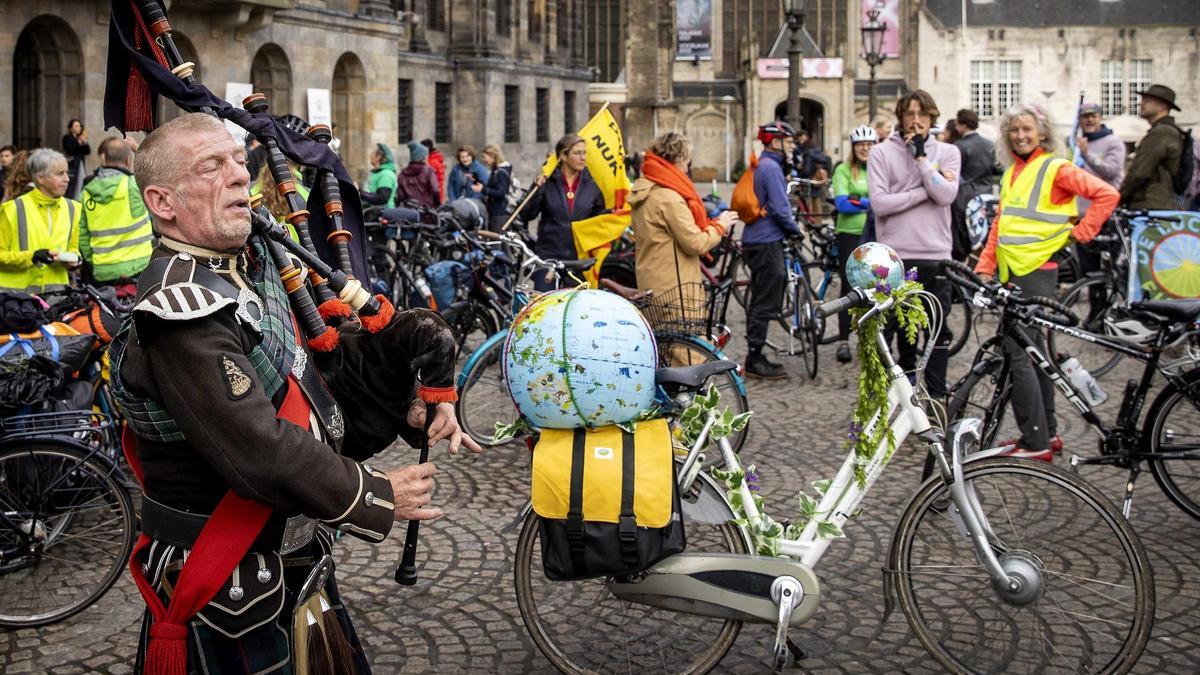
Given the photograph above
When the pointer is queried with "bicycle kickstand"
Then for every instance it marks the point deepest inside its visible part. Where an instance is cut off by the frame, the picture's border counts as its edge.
(786, 592)
(1135, 469)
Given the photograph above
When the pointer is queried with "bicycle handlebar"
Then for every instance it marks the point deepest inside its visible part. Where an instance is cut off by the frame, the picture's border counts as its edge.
(1061, 314)
(855, 298)
(962, 275)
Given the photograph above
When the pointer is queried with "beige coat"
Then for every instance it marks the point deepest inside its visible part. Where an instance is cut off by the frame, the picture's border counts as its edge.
(664, 227)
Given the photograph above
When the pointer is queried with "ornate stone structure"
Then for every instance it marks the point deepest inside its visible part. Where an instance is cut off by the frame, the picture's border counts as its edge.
(397, 70)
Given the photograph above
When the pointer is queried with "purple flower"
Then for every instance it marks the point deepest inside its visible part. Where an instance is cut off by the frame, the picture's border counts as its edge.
(883, 287)
(911, 274)
(752, 481)
(855, 434)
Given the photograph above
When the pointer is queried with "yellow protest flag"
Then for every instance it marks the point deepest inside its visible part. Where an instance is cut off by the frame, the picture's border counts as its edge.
(605, 158)
(594, 237)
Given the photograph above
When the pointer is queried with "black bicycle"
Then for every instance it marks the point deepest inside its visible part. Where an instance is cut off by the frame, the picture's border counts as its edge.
(67, 521)
(1169, 439)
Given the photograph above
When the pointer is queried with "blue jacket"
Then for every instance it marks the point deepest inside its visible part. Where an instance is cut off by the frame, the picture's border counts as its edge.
(771, 189)
(459, 182)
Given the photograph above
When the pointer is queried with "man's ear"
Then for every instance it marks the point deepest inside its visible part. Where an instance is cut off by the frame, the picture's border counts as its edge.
(161, 202)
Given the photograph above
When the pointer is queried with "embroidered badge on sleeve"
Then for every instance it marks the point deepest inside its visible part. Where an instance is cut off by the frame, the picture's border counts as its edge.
(237, 382)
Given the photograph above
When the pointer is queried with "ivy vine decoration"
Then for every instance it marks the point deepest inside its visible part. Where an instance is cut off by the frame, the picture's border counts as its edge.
(873, 378)
(504, 432)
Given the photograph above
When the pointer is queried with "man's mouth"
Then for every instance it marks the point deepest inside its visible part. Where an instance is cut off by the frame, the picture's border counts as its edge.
(240, 204)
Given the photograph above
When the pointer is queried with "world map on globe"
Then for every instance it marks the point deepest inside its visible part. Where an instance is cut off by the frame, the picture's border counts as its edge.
(872, 263)
(580, 358)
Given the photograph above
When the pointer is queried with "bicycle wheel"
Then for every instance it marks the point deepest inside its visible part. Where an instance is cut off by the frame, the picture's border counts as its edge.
(960, 319)
(983, 394)
(806, 329)
(682, 350)
(1093, 299)
(82, 525)
(1087, 601)
(1173, 427)
(582, 628)
(483, 398)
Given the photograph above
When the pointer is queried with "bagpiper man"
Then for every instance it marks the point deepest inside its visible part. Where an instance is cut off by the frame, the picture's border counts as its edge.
(236, 437)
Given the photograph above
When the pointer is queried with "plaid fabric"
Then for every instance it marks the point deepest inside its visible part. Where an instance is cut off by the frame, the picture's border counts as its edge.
(272, 358)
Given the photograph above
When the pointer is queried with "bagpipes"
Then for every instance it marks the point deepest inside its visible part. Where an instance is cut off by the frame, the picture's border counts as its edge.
(328, 299)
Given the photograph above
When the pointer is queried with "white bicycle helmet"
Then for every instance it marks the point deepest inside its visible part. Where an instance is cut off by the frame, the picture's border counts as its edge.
(864, 134)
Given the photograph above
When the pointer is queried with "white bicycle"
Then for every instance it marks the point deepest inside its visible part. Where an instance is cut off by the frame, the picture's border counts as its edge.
(998, 564)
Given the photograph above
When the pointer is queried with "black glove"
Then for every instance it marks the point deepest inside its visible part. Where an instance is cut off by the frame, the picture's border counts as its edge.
(42, 256)
(917, 146)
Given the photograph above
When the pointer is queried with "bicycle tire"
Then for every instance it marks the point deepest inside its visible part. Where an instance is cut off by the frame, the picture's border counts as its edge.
(729, 384)
(960, 318)
(962, 638)
(483, 399)
(1096, 359)
(1184, 492)
(87, 477)
(804, 323)
(568, 636)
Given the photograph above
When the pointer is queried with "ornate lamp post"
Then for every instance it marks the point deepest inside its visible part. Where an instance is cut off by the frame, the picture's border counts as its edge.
(872, 41)
(793, 10)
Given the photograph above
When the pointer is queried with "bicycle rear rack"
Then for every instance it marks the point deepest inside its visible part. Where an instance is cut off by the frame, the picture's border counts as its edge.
(68, 422)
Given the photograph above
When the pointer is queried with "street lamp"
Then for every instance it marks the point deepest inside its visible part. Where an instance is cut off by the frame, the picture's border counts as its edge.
(727, 100)
(793, 10)
(872, 40)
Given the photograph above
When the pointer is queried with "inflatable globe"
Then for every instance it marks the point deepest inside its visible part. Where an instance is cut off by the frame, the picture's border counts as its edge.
(872, 263)
(580, 358)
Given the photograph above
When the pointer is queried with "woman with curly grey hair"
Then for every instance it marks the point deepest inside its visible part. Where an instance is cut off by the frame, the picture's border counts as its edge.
(1037, 217)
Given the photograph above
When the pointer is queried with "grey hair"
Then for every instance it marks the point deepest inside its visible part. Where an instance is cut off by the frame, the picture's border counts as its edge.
(42, 161)
(1041, 119)
(159, 160)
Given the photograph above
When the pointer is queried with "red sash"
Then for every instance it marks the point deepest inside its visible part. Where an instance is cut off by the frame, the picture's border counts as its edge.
(223, 542)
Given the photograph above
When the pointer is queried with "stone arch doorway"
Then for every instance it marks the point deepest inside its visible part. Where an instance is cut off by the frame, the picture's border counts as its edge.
(47, 82)
(271, 75)
(812, 112)
(349, 110)
(167, 110)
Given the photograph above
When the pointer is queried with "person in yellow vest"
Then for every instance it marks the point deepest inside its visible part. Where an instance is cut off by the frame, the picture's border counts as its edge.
(1037, 218)
(39, 231)
(115, 234)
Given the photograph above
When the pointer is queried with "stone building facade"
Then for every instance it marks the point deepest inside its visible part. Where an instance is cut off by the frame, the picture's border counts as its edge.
(456, 71)
(1048, 53)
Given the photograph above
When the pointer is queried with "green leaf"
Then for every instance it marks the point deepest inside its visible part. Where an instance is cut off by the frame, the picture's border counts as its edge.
(808, 505)
(827, 530)
(822, 486)
(740, 421)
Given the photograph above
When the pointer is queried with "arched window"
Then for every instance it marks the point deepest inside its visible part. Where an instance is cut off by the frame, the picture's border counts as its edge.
(271, 75)
(349, 108)
(47, 82)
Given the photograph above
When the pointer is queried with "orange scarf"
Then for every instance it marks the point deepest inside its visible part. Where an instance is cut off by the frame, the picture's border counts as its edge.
(661, 172)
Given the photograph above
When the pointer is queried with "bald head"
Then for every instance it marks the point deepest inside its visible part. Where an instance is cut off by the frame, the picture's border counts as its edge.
(116, 152)
(162, 156)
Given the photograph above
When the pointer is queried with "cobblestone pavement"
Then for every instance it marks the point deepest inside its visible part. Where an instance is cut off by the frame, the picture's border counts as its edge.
(462, 615)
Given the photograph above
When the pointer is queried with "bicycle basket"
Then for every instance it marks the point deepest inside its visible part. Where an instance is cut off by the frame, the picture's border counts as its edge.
(683, 309)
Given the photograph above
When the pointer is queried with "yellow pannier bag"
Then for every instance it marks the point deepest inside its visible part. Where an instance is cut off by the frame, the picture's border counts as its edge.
(607, 500)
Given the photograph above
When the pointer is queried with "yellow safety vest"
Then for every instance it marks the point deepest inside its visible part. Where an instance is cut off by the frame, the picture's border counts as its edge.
(115, 237)
(27, 231)
(1032, 227)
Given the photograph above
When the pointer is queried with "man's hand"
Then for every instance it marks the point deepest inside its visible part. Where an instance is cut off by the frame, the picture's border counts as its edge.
(987, 278)
(412, 491)
(43, 256)
(948, 175)
(445, 425)
(1081, 142)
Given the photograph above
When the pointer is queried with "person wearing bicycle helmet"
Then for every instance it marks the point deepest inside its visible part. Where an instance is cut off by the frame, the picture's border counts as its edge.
(1035, 219)
(853, 208)
(762, 245)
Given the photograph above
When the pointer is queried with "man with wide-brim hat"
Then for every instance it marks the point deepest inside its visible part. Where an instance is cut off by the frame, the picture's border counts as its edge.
(1149, 183)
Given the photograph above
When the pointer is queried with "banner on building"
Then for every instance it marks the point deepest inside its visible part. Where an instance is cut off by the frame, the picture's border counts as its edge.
(889, 16)
(693, 30)
(1166, 257)
(811, 69)
(235, 92)
(318, 107)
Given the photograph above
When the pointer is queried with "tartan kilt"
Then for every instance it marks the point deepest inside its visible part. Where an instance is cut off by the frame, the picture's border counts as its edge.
(268, 648)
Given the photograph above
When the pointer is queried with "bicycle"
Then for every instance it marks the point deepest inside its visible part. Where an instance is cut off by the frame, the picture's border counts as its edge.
(1099, 297)
(67, 521)
(1168, 441)
(962, 567)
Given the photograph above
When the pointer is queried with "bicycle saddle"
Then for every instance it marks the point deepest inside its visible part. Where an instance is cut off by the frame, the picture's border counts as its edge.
(630, 294)
(692, 377)
(1175, 310)
(578, 265)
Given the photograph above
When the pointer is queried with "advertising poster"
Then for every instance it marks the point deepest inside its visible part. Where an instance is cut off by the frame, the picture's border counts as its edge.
(318, 107)
(693, 28)
(234, 93)
(889, 16)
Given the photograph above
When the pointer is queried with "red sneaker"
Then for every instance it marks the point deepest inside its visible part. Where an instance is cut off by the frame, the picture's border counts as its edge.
(1019, 452)
(1056, 444)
